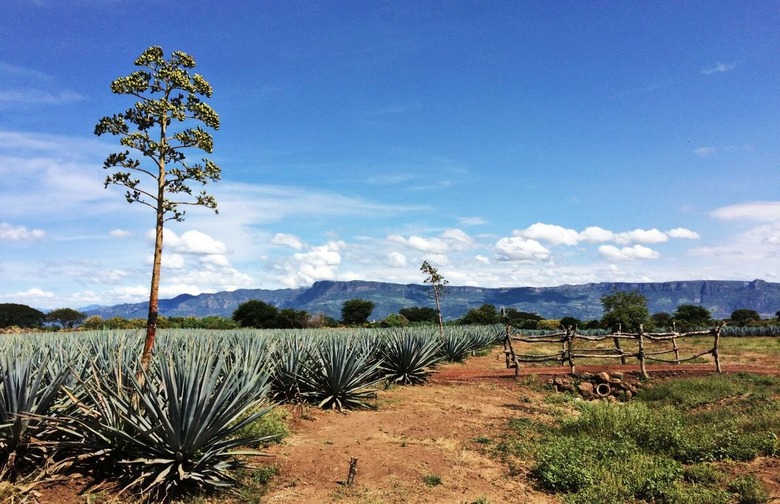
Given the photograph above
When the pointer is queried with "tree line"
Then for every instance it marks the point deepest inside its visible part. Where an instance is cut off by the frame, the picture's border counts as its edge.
(623, 310)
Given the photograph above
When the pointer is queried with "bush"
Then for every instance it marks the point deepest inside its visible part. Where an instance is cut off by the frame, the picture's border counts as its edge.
(749, 490)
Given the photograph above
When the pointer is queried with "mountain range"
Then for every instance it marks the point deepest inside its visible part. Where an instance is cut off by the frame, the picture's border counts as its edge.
(721, 297)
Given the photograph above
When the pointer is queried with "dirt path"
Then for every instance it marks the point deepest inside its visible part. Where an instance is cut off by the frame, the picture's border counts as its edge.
(439, 430)
(444, 429)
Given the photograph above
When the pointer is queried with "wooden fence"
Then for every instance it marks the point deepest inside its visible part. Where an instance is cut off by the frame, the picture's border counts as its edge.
(569, 351)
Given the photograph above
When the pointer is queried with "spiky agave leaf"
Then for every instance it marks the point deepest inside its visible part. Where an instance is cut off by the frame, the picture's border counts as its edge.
(340, 376)
(455, 346)
(30, 388)
(407, 358)
(288, 364)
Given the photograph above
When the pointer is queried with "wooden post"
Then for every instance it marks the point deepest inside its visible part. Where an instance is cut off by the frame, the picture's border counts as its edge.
(676, 350)
(570, 341)
(716, 347)
(617, 346)
(352, 470)
(642, 368)
(508, 350)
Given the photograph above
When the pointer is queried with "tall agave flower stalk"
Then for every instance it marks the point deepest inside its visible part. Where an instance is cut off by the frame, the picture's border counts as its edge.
(181, 438)
(407, 358)
(341, 376)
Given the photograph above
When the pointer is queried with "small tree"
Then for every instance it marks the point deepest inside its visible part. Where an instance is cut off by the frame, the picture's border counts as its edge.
(626, 310)
(690, 315)
(420, 314)
(356, 311)
(485, 314)
(256, 313)
(67, 318)
(167, 96)
(12, 314)
(744, 316)
(438, 289)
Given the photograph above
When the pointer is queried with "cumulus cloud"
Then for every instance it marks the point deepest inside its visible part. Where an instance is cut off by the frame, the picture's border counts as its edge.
(31, 294)
(628, 253)
(682, 233)
(317, 263)
(517, 248)
(396, 260)
(559, 235)
(193, 242)
(449, 240)
(287, 240)
(556, 235)
(641, 236)
(19, 233)
(762, 211)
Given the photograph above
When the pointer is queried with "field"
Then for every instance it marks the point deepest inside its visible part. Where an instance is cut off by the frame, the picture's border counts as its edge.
(474, 433)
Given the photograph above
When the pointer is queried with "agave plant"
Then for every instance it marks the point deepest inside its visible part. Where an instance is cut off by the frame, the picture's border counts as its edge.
(408, 358)
(455, 346)
(180, 436)
(288, 361)
(30, 388)
(341, 376)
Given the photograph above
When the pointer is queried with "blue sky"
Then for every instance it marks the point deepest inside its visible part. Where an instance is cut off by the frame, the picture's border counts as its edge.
(507, 143)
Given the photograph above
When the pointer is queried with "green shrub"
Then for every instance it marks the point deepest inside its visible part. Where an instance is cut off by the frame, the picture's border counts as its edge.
(432, 480)
(749, 490)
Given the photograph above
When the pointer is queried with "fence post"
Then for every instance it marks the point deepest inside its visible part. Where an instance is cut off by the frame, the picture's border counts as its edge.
(570, 340)
(642, 368)
(617, 346)
(716, 348)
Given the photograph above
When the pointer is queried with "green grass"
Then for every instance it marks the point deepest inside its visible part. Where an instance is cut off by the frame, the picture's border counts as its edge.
(660, 447)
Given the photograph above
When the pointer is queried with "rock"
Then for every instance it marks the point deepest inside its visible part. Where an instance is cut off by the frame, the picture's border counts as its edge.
(585, 389)
(603, 377)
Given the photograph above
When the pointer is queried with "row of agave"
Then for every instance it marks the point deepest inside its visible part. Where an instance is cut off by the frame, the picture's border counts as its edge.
(73, 403)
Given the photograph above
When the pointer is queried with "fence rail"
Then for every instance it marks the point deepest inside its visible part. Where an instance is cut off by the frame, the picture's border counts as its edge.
(569, 352)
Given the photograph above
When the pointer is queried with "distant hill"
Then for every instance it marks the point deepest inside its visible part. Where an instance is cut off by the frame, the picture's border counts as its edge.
(580, 301)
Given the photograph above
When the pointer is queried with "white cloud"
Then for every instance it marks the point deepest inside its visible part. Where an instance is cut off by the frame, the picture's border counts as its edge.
(19, 233)
(120, 233)
(595, 234)
(396, 260)
(30, 294)
(482, 259)
(628, 253)
(641, 236)
(762, 211)
(457, 239)
(556, 235)
(718, 67)
(287, 240)
(192, 242)
(318, 263)
(517, 248)
(682, 233)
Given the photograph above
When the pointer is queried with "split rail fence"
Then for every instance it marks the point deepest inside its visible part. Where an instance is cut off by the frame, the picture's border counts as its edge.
(571, 351)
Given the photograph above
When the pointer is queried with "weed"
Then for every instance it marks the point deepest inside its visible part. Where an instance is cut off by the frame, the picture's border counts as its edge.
(431, 480)
(482, 440)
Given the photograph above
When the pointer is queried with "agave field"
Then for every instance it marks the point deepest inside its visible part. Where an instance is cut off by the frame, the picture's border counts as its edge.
(72, 403)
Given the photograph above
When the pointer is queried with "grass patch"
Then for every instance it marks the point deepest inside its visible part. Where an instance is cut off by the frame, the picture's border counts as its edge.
(274, 426)
(659, 447)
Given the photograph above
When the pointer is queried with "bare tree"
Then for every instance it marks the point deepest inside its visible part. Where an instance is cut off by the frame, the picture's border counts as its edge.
(438, 286)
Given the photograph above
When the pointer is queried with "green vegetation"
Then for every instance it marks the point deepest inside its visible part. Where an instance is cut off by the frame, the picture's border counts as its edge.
(661, 447)
(432, 480)
(625, 310)
(355, 312)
